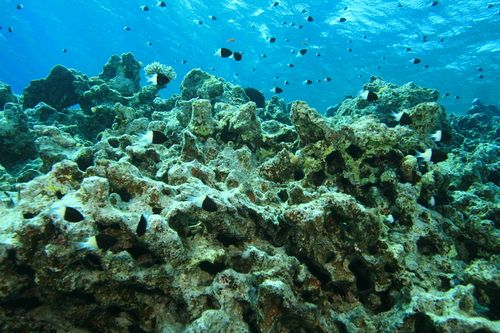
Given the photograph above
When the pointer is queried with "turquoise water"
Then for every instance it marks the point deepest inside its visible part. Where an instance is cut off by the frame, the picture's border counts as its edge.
(458, 43)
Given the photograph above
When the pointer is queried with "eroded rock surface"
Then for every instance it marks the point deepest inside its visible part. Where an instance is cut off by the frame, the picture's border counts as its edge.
(202, 213)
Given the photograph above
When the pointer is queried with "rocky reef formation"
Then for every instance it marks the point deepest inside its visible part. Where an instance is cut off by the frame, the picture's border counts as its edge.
(204, 213)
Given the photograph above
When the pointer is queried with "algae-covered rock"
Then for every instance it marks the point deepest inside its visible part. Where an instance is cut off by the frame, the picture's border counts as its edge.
(199, 84)
(309, 124)
(60, 89)
(201, 122)
(16, 138)
(6, 95)
(122, 73)
(205, 213)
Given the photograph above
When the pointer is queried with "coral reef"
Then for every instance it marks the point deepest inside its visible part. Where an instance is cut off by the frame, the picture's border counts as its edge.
(205, 213)
(6, 95)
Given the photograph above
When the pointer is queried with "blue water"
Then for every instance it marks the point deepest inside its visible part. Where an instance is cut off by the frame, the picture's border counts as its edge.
(455, 40)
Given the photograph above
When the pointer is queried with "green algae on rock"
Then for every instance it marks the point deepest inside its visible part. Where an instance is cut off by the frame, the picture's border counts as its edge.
(315, 224)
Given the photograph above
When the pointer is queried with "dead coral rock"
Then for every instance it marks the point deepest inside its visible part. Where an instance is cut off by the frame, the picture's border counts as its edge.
(278, 168)
(201, 123)
(427, 118)
(199, 84)
(99, 95)
(309, 124)
(391, 98)
(6, 95)
(122, 73)
(54, 145)
(16, 139)
(239, 124)
(61, 89)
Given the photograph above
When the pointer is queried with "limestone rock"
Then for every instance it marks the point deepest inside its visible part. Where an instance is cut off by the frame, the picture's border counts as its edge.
(122, 73)
(6, 95)
(58, 90)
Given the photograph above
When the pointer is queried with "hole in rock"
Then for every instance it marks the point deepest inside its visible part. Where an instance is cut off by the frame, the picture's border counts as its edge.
(29, 215)
(211, 268)
(317, 178)
(298, 174)
(354, 151)
(123, 193)
(92, 262)
(143, 256)
(250, 318)
(362, 274)
(423, 324)
(283, 195)
(134, 328)
(157, 210)
(228, 240)
(335, 163)
(25, 303)
(113, 142)
(386, 301)
(341, 327)
(85, 161)
(427, 246)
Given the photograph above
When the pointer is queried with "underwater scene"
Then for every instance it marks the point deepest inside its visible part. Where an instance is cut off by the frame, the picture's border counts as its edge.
(192, 166)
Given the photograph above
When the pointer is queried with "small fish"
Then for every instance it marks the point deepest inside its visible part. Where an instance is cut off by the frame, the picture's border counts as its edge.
(154, 137)
(237, 56)
(308, 82)
(432, 201)
(212, 17)
(318, 54)
(19, 6)
(100, 241)
(437, 136)
(370, 96)
(275, 4)
(69, 214)
(65, 50)
(277, 90)
(272, 39)
(416, 61)
(309, 18)
(327, 79)
(224, 52)
(397, 115)
(10, 29)
(302, 52)
(291, 65)
(145, 8)
(426, 155)
(342, 19)
(286, 82)
(159, 79)
(204, 202)
(141, 226)
(161, 4)
(127, 28)
(231, 40)
(434, 3)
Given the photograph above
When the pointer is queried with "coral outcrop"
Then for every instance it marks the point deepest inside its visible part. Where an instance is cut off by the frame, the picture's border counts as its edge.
(204, 213)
